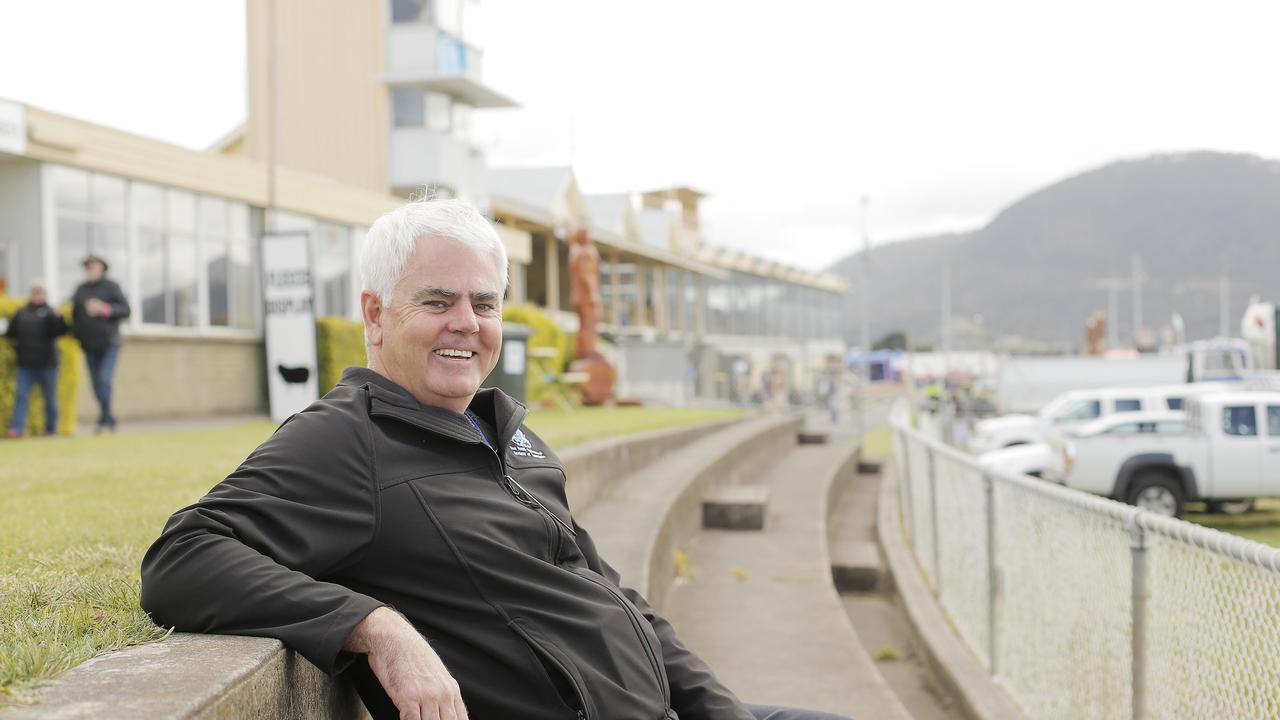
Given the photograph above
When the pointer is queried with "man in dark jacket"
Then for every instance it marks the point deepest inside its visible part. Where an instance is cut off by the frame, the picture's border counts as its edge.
(97, 308)
(33, 330)
(407, 487)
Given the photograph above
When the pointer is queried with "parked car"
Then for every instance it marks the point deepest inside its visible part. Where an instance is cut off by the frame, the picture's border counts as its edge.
(1226, 449)
(1078, 407)
(1055, 456)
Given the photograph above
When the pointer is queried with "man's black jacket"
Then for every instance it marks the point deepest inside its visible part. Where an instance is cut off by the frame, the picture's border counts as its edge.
(94, 331)
(33, 329)
(368, 498)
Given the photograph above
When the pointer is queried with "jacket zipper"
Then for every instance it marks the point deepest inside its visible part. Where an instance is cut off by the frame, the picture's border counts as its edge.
(635, 625)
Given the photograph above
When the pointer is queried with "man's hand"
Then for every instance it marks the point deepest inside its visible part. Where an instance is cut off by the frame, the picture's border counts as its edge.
(95, 307)
(409, 670)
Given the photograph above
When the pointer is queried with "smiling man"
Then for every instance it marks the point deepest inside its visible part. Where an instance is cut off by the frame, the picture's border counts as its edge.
(407, 529)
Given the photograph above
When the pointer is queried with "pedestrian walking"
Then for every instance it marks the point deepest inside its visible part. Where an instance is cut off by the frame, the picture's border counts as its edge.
(33, 331)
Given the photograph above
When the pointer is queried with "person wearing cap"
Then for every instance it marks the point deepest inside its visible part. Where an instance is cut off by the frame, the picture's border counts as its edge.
(98, 306)
(33, 330)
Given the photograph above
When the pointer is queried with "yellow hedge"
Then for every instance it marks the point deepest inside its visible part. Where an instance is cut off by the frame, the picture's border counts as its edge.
(339, 343)
(544, 334)
(71, 373)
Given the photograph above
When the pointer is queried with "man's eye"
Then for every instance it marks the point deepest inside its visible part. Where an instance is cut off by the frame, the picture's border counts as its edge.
(434, 303)
(485, 307)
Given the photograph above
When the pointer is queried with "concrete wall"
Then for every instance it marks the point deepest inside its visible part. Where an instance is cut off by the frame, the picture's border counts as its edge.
(168, 376)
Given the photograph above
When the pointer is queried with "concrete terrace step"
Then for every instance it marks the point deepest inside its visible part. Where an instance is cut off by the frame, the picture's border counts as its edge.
(736, 507)
(640, 521)
(761, 607)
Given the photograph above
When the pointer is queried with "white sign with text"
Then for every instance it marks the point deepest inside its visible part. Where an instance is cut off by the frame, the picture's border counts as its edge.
(289, 324)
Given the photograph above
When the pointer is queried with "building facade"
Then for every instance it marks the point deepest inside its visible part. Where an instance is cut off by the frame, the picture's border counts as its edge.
(353, 107)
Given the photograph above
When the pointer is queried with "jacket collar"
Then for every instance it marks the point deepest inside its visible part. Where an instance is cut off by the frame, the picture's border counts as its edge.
(388, 399)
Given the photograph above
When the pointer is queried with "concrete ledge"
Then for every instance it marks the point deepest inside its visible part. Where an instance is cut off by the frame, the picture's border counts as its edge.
(209, 677)
(855, 567)
(592, 467)
(809, 437)
(227, 677)
(738, 507)
(953, 663)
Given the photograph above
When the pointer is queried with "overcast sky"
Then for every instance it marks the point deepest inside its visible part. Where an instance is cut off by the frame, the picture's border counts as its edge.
(785, 112)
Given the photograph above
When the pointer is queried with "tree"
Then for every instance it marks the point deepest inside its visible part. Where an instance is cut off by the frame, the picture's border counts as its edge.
(896, 340)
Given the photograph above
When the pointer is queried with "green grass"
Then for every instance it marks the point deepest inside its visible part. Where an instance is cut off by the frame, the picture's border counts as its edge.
(878, 444)
(76, 515)
(1261, 525)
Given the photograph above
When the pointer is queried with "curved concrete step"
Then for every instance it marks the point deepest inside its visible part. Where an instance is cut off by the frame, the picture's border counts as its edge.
(640, 521)
(761, 608)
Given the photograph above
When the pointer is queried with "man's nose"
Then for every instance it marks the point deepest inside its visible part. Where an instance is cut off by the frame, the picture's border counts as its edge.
(462, 319)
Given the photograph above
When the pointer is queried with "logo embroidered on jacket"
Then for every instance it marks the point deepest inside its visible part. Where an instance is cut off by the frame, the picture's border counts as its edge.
(521, 447)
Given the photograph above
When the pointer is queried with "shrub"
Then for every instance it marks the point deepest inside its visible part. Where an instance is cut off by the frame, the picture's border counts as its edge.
(339, 343)
(70, 374)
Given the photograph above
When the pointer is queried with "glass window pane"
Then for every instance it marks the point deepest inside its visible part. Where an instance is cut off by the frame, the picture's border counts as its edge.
(1128, 405)
(73, 245)
(408, 107)
(1239, 420)
(213, 216)
(1175, 403)
(182, 278)
(152, 277)
(107, 198)
(182, 211)
(240, 278)
(1273, 420)
(108, 243)
(403, 11)
(70, 189)
(147, 203)
(437, 108)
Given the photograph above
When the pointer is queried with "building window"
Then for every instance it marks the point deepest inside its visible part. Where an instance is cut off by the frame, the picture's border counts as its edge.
(331, 261)
(408, 11)
(408, 107)
(439, 115)
(228, 255)
(90, 211)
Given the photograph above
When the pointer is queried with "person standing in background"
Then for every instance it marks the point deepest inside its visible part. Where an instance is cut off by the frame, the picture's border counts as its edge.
(98, 306)
(33, 330)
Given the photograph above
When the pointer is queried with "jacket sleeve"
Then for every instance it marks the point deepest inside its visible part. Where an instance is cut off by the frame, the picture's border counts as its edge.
(251, 556)
(57, 324)
(119, 305)
(696, 694)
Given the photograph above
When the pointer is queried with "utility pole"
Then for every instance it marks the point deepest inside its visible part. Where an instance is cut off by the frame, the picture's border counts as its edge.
(864, 315)
(1138, 279)
(1224, 305)
(1113, 286)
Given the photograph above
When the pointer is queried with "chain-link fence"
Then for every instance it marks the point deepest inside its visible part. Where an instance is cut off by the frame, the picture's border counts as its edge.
(1082, 607)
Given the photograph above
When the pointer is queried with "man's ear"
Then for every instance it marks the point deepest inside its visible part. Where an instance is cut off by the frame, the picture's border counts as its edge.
(372, 309)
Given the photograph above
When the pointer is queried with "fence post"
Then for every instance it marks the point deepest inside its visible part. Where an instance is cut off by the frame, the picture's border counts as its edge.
(909, 509)
(993, 573)
(933, 519)
(1138, 659)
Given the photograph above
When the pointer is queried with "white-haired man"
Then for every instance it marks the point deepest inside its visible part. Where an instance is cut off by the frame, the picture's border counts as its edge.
(408, 487)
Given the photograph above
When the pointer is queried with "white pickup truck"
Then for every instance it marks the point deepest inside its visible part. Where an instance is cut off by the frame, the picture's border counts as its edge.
(1229, 453)
(1078, 407)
